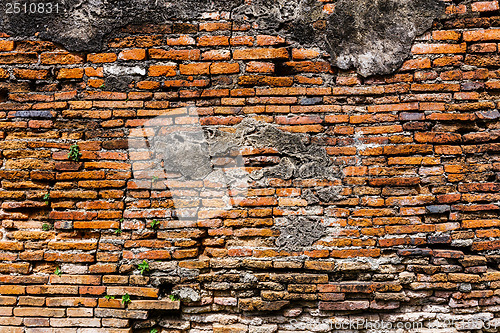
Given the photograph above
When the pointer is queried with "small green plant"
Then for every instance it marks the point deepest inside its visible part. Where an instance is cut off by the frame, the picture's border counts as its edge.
(155, 179)
(46, 227)
(143, 267)
(108, 297)
(46, 198)
(74, 153)
(155, 224)
(153, 330)
(173, 298)
(119, 230)
(126, 299)
(102, 85)
(57, 271)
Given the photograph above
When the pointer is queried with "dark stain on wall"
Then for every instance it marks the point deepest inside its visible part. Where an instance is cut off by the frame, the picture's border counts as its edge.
(81, 25)
(374, 37)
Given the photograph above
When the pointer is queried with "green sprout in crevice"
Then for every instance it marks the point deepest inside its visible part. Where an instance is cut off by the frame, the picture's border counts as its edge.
(155, 224)
(143, 267)
(108, 297)
(46, 198)
(57, 271)
(173, 298)
(153, 330)
(126, 299)
(118, 231)
(46, 227)
(74, 153)
(155, 179)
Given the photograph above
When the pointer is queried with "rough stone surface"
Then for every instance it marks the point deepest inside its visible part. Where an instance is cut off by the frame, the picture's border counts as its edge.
(297, 233)
(375, 36)
(297, 17)
(184, 152)
(187, 295)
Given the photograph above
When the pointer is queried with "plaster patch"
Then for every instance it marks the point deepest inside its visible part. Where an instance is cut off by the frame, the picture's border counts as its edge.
(299, 232)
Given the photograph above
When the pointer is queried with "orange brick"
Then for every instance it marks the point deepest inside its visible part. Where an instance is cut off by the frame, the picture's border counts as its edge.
(419, 63)
(224, 68)
(182, 40)
(19, 58)
(260, 53)
(260, 67)
(70, 73)
(484, 6)
(304, 54)
(195, 68)
(174, 54)
(162, 70)
(132, 54)
(242, 41)
(472, 224)
(438, 48)
(215, 26)
(482, 35)
(355, 253)
(101, 57)
(266, 40)
(6, 45)
(31, 74)
(98, 72)
(446, 35)
(213, 41)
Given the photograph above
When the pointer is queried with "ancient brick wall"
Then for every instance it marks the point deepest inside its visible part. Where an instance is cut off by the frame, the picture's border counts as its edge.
(197, 175)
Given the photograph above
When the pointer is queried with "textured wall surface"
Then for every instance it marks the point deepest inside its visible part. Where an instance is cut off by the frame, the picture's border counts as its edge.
(230, 174)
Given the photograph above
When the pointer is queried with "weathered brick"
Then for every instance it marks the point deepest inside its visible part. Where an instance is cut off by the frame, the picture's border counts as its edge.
(260, 53)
